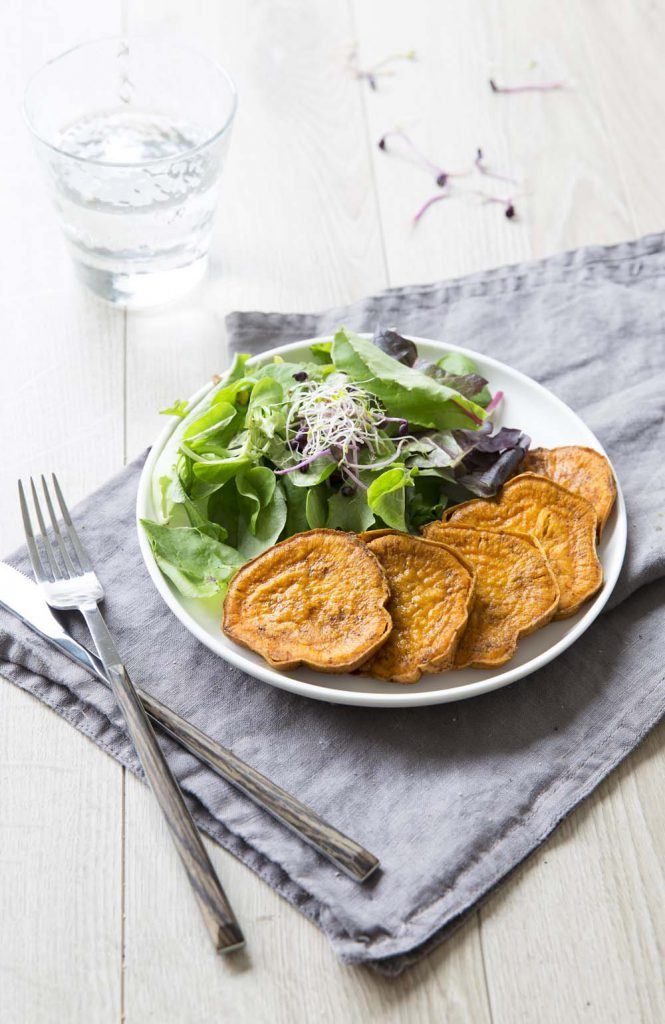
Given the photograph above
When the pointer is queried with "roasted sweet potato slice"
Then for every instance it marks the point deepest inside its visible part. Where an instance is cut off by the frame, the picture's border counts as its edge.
(431, 593)
(316, 599)
(386, 531)
(582, 470)
(564, 523)
(516, 591)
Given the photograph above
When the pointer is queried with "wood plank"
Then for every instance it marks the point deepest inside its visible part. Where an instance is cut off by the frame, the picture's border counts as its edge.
(574, 192)
(62, 399)
(579, 932)
(60, 870)
(60, 408)
(623, 45)
(62, 404)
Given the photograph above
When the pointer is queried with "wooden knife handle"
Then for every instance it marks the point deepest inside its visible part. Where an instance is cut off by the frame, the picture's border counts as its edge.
(345, 853)
(213, 903)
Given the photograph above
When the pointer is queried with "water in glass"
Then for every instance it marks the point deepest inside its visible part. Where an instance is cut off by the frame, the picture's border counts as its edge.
(132, 133)
(141, 200)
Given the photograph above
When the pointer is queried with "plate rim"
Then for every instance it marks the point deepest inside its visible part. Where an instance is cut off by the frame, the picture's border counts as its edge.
(405, 697)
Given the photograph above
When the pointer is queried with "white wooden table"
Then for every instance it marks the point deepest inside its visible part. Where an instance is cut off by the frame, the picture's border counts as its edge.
(96, 923)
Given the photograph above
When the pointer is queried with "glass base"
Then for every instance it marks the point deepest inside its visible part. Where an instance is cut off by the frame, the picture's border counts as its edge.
(141, 290)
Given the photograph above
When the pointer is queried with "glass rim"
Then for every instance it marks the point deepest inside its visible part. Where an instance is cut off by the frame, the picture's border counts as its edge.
(129, 38)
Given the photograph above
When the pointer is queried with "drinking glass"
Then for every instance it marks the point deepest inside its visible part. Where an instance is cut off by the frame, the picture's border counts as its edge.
(132, 134)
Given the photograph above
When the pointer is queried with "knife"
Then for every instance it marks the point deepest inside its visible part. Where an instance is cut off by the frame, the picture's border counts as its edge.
(22, 598)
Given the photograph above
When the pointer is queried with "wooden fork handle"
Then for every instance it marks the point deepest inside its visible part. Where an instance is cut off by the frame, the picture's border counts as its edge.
(214, 905)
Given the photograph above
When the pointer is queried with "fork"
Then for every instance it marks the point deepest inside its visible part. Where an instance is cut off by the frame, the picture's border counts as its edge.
(69, 582)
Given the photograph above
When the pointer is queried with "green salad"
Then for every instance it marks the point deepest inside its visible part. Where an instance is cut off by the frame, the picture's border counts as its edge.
(361, 434)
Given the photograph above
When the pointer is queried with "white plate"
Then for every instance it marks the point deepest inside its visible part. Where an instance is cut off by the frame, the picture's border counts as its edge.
(527, 405)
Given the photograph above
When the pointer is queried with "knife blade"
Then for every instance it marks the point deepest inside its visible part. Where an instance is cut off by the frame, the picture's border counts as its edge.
(22, 598)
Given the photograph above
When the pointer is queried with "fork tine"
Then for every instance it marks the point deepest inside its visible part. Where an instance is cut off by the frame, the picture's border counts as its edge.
(69, 565)
(50, 554)
(35, 558)
(82, 554)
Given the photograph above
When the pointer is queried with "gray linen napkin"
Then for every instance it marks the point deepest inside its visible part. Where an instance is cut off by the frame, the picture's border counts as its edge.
(450, 798)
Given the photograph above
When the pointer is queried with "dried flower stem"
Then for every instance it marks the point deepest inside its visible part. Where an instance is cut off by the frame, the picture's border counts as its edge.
(392, 57)
(430, 202)
(441, 176)
(506, 201)
(482, 168)
(378, 70)
(527, 87)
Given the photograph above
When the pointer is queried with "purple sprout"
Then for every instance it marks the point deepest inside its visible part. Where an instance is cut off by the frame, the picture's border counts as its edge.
(507, 202)
(441, 175)
(426, 205)
(356, 480)
(403, 427)
(483, 169)
(298, 442)
(302, 466)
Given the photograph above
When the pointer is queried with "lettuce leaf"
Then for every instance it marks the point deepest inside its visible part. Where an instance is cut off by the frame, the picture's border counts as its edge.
(314, 474)
(386, 497)
(261, 511)
(316, 508)
(211, 474)
(395, 345)
(351, 513)
(492, 460)
(178, 408)
(296, 498)
(321, 352)
(196, 563)
(167, 465)
(457, 371)
(404, 392)
(477, 461)
(218, 416)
